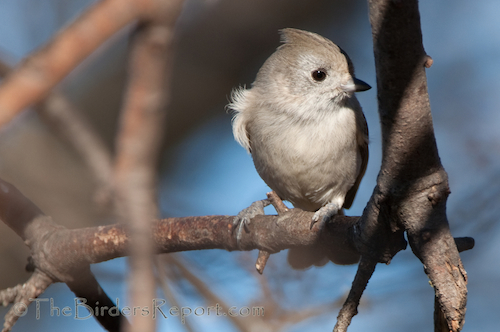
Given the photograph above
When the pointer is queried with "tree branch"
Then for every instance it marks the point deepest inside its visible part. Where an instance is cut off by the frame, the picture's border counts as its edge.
(63, 255)
(69, 124)
(39, 73)
(138, 145)
(70, 248)
(350, 308)
(50, 260)
(67, 121)
(412, 185)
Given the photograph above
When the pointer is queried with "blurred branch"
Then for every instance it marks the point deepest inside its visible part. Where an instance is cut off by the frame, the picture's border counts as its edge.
(68, 123)
(138, 144)
(210, 296)
(161, 263)
(40, 72)
(4, 68)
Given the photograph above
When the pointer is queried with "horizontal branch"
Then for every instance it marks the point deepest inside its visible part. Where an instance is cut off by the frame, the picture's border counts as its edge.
(271, 233)
(92, 245)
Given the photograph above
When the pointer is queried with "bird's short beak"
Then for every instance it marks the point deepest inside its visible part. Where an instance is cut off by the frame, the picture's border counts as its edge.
(355, 85)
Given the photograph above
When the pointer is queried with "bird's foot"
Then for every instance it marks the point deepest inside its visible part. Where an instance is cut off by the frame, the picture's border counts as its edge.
(243, 219)
(325, 213)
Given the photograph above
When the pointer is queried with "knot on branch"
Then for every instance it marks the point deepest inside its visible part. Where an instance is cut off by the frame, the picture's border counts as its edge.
(377, 234)
(438, 193)
(428, 61)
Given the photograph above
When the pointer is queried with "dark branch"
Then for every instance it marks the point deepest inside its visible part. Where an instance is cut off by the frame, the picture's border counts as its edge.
(350, 308)
(412, 185)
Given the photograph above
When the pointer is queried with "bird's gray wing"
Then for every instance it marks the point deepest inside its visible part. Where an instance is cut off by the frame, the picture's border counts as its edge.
(362, 140)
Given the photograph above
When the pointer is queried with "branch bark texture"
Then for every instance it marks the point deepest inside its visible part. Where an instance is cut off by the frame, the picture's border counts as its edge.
(64, 255)
(412, 185)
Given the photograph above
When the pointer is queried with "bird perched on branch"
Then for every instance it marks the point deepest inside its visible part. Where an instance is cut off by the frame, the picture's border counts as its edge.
(305, 130)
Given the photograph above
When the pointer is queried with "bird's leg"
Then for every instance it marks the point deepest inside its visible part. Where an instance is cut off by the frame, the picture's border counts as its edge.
(242, 220)
(327, 211)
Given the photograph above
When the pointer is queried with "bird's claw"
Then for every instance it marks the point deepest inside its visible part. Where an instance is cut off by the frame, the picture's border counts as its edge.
(326, 212)
(243, 219)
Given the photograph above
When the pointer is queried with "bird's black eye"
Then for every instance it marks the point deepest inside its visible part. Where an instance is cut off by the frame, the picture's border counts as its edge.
(319, 75)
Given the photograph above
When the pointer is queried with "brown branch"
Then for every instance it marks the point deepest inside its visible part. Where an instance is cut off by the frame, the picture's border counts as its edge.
(276, 201)
(85, 286)
(412, 185)
(280, 207)
(69, 124)
(21, 296)
(274, 233)
(50, 260)
(65, 255)
(4, 68)
(350, 308)
(71, 248)
(138, 144)
(38, 74)
(68, 249)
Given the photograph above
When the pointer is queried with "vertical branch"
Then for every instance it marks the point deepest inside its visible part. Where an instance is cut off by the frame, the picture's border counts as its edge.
(350, 308)
(412, 186)
(139, 142)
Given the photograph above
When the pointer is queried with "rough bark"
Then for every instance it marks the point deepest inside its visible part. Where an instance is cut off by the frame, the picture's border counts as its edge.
(412, 185)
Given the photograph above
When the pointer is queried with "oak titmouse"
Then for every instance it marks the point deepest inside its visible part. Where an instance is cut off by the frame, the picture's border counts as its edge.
(305, 130)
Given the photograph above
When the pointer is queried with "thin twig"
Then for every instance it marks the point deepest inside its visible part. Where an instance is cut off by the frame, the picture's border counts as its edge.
(366, 268)
(68, 122)
(277, 202)
(22, 295)
(162, 263)
(281, 208)
(205, 291)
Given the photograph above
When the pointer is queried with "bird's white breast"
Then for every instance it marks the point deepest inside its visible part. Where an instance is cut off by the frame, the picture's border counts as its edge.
(310, 162)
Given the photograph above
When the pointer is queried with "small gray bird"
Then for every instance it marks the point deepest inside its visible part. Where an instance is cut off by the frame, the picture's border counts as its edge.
(305, 130)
